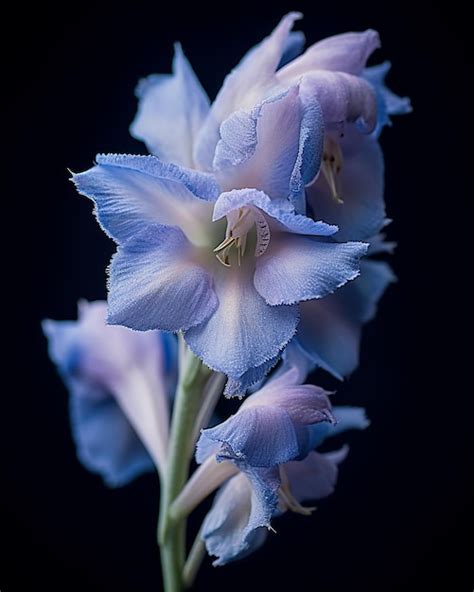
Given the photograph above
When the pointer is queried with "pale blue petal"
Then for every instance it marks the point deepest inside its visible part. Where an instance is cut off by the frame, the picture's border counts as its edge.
(293, 47)
(284, 217)
(155, 284)
(243, 88)
(388, 103)
(171, 109)
(345, 53)
(361, 187)
(249, 437)
(237, 387)
(347, 418)
(130, 192)
(315, 477)
(253, 332)
(276, 147)
(330, 328)
(105, 441)
(237, 523)
(298, 268)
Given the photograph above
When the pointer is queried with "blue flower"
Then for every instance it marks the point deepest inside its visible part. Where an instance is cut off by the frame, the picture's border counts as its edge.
(224, 258)
(241, 515)
(119, 383)
(283, 406)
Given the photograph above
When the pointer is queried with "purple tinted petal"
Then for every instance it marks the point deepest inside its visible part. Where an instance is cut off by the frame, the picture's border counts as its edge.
(345, 53)
(342, 98)
(154, 283)
(315, 477)
(244, 87)
(297, 268)
(248, 436)
(171, 110)
(275, 148)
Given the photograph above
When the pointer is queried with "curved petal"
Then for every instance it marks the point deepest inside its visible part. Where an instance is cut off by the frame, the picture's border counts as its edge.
(316, 476)
(236, 524)
(106, 442)
(130, 192)
(347, 418)
(304, 403)
(154, 283)
(284, 217)
(361, 187)
(171, 110)
(298, 268)
(330, 328)
(276, 147)
(244, 87)
(248, 437)
(388, 103)
(244, 332)
(293, 47)
(342, 98)
(348, 52)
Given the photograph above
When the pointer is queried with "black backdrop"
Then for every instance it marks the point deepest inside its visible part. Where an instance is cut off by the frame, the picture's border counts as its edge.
(399, 517)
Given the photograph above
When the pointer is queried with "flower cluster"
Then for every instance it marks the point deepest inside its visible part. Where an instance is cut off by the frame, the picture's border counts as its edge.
(249, 230)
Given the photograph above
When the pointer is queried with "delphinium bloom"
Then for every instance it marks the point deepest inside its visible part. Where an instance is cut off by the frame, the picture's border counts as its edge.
(119, 383)
(226, 267)
(248, 230)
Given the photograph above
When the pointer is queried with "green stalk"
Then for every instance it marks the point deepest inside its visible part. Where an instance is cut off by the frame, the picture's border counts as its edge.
(172, 531)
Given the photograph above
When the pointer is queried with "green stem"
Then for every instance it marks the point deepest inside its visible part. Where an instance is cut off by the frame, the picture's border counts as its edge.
(171, 532)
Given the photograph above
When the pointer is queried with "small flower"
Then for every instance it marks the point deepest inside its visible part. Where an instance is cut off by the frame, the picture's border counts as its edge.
(283, 407)
(119, 383)
(240, 517)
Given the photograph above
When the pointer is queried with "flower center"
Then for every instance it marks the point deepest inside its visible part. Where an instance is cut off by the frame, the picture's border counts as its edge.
(331, 167)
(287, 499)
(239, 223)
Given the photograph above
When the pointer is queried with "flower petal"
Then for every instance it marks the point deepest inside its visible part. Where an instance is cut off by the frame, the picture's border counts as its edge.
(361, 187)
(304, 403)
(244, 332)
(130, 192)
(330, 328)
(237, 387)
(276, 147)
(297, 268)
(235, 525)
(284, 217)
(315, 477)
(171, 110)
(106, 442)
(248, 437)
(348, 52)
(244, 87)
(342, 98)
(388, 103)
(293, 47)
(154, 283)
(347, 418)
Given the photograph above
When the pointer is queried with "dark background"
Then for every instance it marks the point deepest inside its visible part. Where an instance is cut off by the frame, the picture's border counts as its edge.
(400, 516)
